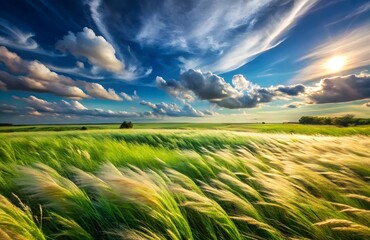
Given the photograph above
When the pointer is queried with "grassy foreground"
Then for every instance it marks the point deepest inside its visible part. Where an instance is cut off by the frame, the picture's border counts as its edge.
(183, 184)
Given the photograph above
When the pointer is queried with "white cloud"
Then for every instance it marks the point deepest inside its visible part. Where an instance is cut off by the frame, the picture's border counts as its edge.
(14, 37)
(80, 64)
(96, 49)
(98, 91)
(240, 83)
(174, 110)
(37, 77)
(126, 96)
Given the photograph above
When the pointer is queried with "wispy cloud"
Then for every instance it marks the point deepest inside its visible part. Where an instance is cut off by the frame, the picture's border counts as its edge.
(133, 70)
(12, 36)
(353, 47)
(210, 37)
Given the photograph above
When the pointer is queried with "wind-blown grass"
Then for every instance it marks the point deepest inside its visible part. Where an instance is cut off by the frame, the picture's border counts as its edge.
(174, 184)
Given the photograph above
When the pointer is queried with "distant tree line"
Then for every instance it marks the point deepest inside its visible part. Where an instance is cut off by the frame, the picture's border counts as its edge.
(345, 121)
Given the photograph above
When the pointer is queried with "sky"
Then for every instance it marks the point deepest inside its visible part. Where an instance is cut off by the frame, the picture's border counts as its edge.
(102, 61)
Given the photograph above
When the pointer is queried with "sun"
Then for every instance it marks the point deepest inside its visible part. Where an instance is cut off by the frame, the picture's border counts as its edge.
(335, 64)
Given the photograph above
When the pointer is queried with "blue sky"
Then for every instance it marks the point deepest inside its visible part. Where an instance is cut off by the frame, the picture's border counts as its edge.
(183, 61)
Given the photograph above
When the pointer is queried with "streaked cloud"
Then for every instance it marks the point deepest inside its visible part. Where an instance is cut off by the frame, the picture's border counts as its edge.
(11, 36)
(201, 33)
(128, 97)
(67, 108)
(37, 107)
(351, 46)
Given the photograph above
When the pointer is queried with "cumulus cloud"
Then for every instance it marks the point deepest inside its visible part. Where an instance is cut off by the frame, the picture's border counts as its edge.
(98, 91)
(96, 49)
(30, 84)
(240, 83)
(341, 89)
(174, 88)
(173, 110)
(207, 85)
(35, 76)
(213, 88)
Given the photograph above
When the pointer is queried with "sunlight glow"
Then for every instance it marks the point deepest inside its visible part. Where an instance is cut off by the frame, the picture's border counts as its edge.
(335, 63)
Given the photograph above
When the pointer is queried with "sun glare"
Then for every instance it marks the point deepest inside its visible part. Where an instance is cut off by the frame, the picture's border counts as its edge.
(335, 63)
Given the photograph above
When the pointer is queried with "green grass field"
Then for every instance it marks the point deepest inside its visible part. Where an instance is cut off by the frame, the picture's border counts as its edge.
(247, 127)
(185, 184)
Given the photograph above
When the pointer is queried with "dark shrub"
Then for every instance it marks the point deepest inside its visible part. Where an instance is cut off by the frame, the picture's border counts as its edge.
(83, 128)
(126, 125)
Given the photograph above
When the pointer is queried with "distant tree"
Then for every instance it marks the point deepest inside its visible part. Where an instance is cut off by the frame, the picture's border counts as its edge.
(126, 125)
(343, 121)
(263, 123)
(83, 128)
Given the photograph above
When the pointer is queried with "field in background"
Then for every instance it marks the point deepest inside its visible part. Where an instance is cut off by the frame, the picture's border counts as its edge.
(247, 127)
(184, 184)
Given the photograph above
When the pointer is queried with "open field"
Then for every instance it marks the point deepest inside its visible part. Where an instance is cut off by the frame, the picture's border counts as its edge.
(183, 184)
(247, 127)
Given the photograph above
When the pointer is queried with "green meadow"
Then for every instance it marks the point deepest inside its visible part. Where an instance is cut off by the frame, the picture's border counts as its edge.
(192, 181)
(245, 127)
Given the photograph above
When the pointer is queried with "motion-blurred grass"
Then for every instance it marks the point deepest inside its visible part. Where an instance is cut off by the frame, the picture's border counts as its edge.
(183, 184)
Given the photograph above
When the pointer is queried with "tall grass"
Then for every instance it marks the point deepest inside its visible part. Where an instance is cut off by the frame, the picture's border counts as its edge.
(183, 185)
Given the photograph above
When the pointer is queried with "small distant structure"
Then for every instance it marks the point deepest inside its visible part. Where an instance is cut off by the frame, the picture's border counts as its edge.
(126, 125)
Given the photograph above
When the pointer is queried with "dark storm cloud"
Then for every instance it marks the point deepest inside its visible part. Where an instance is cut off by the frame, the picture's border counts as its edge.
(341, 89)
(206, 86)
(291, 90)
(213, 88)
